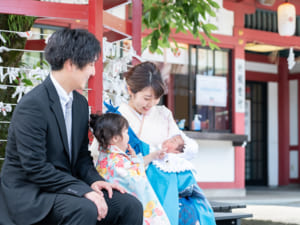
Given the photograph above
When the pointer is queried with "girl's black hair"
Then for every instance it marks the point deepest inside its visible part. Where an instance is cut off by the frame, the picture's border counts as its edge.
(106, 126)
(144, 75)
(78, 45)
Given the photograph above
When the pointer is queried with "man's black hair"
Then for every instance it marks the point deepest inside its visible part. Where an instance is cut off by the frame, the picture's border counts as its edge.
(78, 45)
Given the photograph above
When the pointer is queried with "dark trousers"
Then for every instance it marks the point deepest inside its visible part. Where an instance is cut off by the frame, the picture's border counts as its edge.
(4, 215)
(123, 209)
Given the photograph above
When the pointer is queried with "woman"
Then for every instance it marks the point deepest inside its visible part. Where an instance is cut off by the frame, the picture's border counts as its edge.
(150, 126)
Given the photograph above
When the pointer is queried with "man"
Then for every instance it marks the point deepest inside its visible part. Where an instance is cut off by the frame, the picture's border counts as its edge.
(48, 176)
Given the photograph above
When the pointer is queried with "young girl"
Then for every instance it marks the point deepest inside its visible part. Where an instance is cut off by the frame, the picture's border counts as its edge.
(119, 164)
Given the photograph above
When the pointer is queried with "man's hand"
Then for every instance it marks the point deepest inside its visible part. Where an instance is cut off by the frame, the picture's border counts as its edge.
(100, 203)
(99, 185)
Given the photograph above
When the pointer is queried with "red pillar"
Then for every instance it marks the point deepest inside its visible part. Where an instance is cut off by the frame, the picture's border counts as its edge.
(238, 118)
(136, 28)
(95, 26)
(283, 126)
(238, 122)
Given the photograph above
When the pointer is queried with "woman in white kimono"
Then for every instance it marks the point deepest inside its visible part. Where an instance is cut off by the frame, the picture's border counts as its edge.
(150, 125)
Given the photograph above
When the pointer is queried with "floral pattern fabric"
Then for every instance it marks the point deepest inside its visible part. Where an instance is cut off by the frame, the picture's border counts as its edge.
(117, 167)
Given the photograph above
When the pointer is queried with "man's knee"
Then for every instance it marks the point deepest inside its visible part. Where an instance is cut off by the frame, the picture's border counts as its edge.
(133, 209)
(73, 210)
(86, 210)
(134, 205)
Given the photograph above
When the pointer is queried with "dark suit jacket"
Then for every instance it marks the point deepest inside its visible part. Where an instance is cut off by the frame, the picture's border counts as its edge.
(37, 164)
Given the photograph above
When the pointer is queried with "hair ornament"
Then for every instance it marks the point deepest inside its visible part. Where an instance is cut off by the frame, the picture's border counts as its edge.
(150, 77)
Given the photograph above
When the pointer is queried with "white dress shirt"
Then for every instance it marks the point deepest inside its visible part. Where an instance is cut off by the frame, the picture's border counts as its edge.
(64, 98)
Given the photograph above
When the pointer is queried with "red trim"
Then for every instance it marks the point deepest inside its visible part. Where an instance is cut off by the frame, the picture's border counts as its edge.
(137, 28)
(262, 77)
(283, 126)
(294, 77)
(116, 25)
(188, 38)
(271, 38)
(114, 28)
(95, 83)
(240, 162)
(108, 4)
(244, 6)
(44, 9)
(170, 96)
(35, 45)
(257, 58)
(295, 181)
(62, 23)
(217, 185)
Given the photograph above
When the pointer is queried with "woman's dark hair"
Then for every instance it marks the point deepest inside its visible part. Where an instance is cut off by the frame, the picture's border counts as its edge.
(106, 126)
(78, 45)
(144, 75)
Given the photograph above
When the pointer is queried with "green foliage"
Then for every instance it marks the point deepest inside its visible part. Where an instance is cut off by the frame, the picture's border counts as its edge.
(17, 23)
(11, 59)
(163, 16)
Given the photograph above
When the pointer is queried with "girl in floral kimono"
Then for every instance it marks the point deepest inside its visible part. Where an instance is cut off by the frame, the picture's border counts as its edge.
(119, 164)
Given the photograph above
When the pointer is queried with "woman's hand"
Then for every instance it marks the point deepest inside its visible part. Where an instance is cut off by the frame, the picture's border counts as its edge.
(99, 185)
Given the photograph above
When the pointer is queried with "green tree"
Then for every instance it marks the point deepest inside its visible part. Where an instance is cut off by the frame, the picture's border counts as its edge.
(161, 16)
(11, 59)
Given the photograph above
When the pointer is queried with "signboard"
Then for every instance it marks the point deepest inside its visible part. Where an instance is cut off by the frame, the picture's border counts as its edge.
(240, 85)
(211, 90)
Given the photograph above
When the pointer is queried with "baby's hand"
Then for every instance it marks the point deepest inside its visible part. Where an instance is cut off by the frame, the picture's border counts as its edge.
(161, 153)
(131, 151)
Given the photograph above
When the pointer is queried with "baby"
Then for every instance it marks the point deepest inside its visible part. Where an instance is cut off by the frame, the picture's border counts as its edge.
(175, 143)
(169, 161)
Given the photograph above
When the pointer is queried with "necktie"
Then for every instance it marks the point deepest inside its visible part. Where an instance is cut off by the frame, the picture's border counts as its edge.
(68, 121)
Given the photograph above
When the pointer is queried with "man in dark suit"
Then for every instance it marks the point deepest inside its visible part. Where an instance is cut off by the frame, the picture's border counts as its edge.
(48, 176)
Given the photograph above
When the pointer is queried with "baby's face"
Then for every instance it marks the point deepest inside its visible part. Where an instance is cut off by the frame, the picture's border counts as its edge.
(173, 142)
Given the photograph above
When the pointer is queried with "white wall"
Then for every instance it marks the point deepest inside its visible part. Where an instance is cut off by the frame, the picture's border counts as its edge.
(273, 134)
(215, 161)
(262, 67)
(293, 112)
(294, 164)
(224, 20)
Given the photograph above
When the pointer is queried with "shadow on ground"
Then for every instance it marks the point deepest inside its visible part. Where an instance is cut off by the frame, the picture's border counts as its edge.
(264, 222)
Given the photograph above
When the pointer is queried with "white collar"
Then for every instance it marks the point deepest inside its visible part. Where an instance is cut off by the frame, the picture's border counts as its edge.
(64, 97)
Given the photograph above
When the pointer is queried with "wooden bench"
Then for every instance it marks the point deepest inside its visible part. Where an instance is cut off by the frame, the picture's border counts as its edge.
(225, 206)
(224, 215)
(229, 218)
